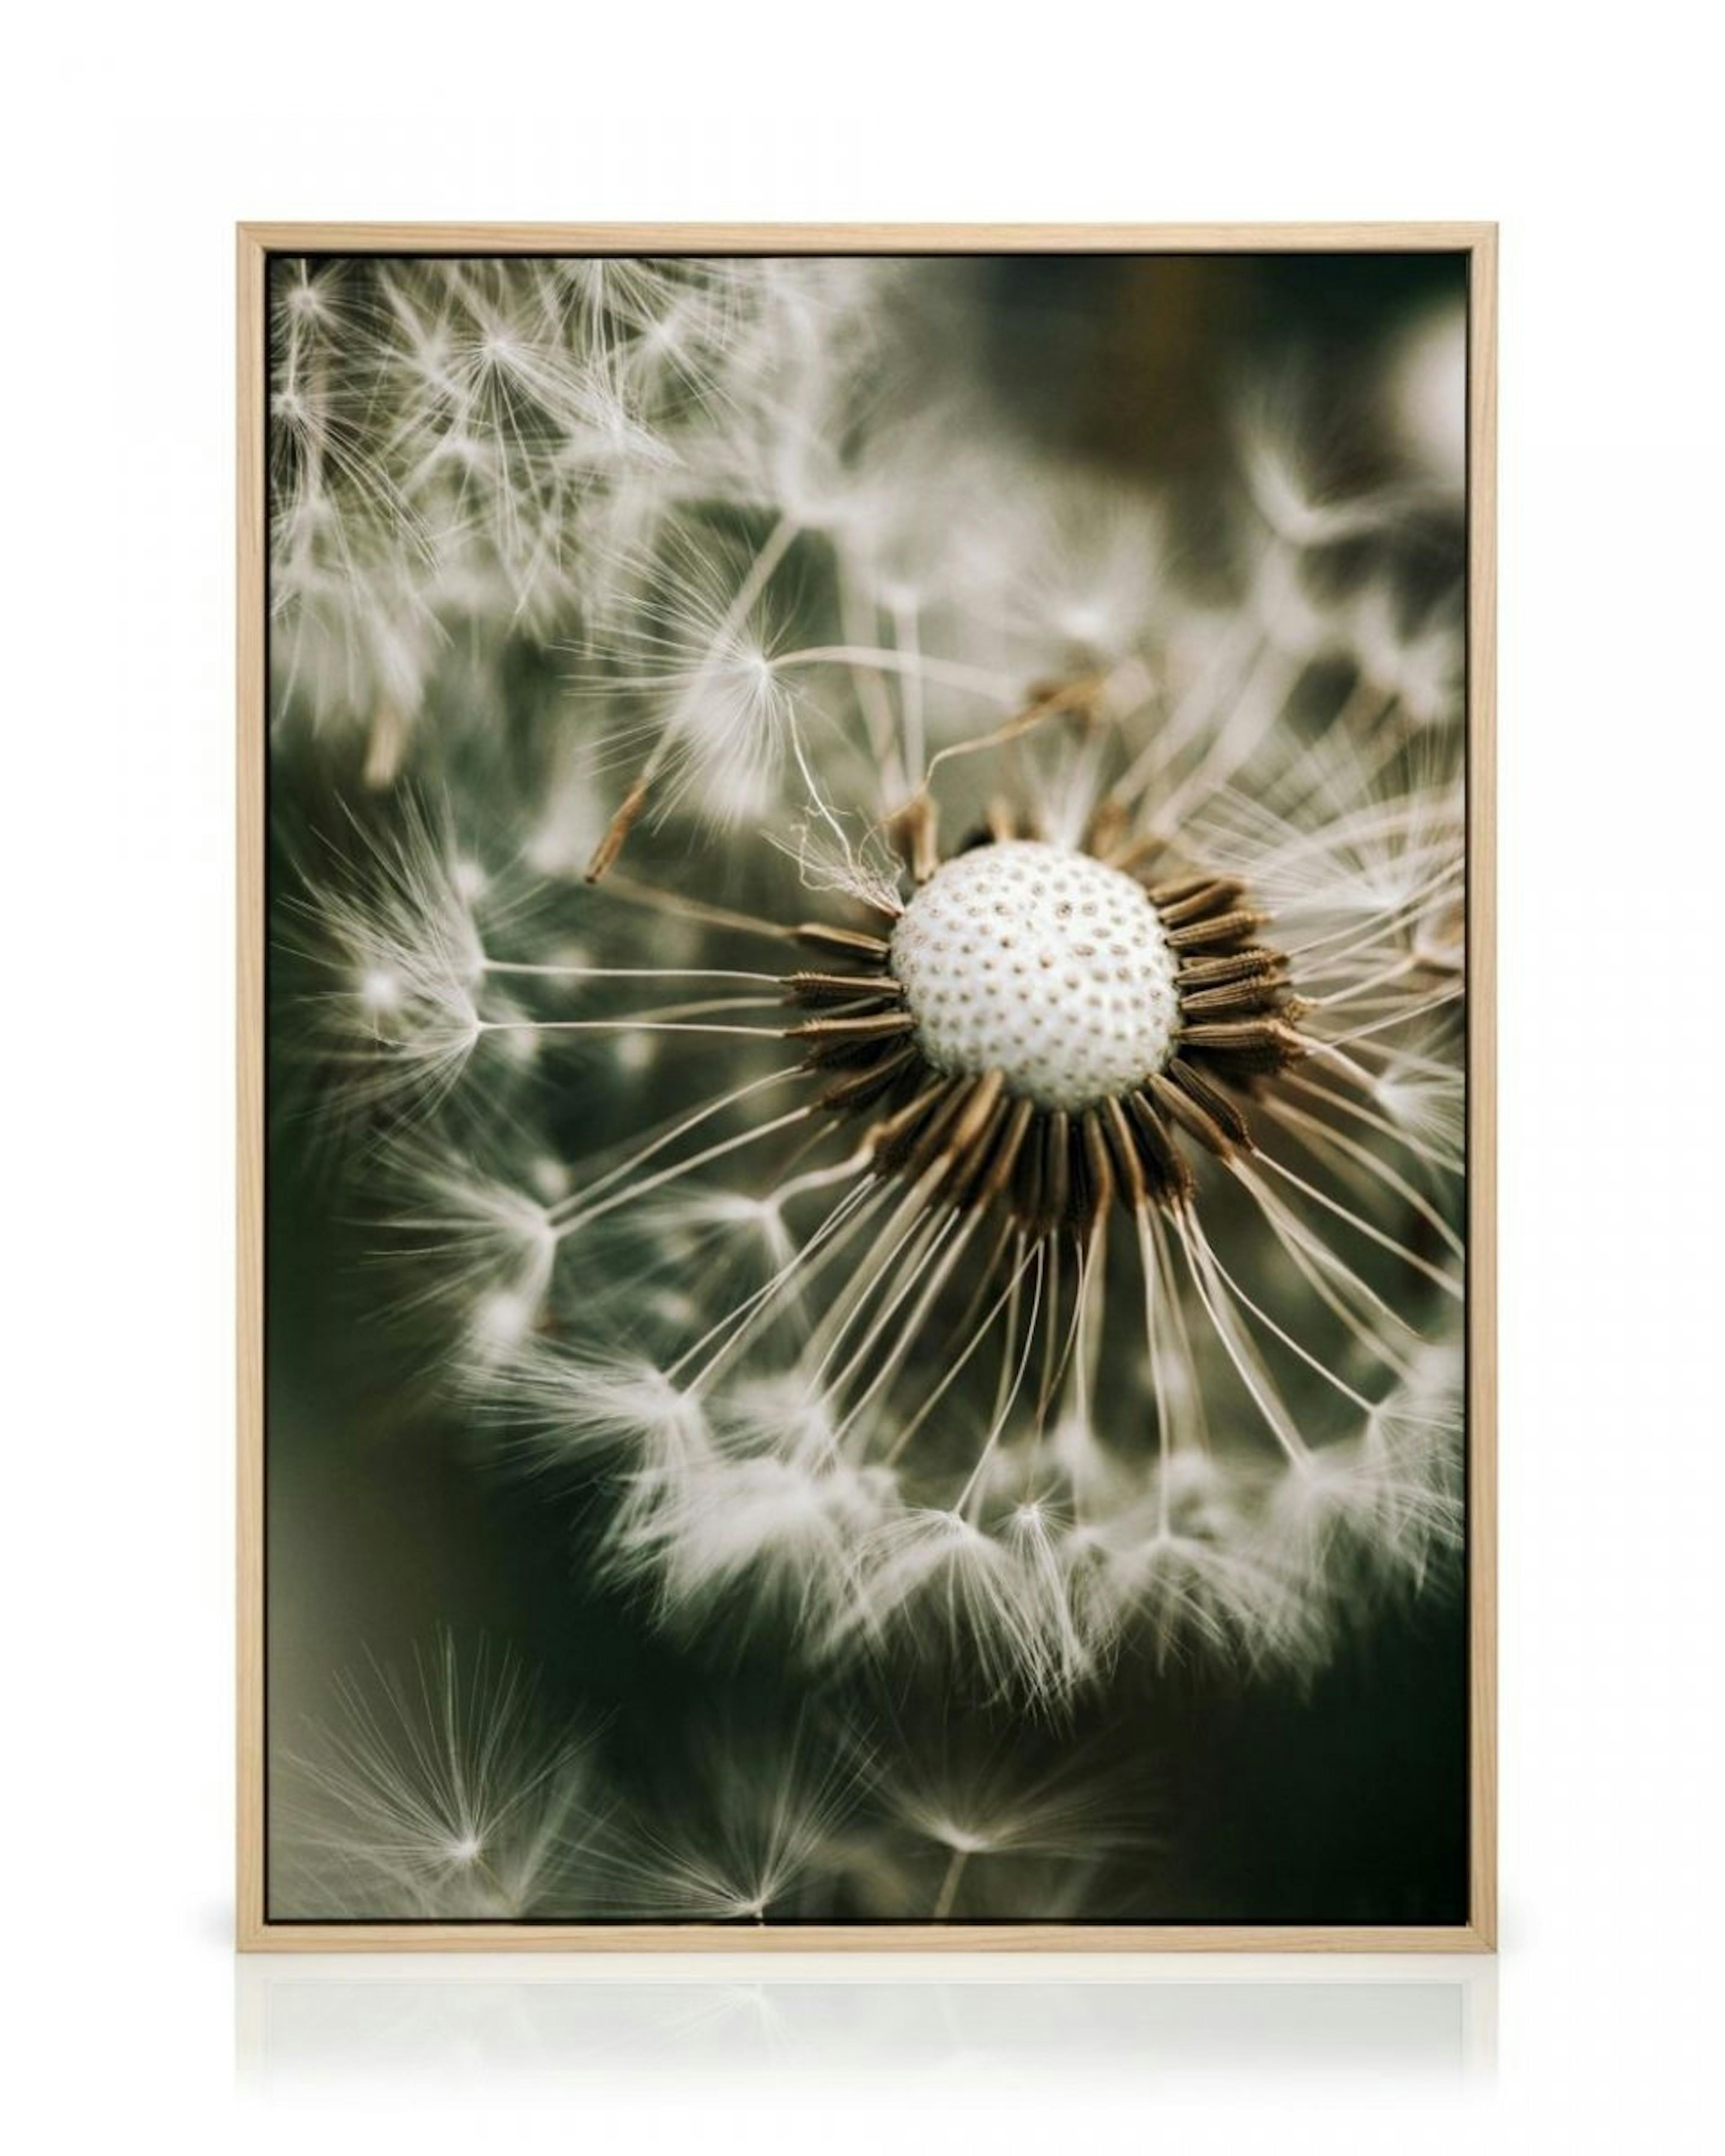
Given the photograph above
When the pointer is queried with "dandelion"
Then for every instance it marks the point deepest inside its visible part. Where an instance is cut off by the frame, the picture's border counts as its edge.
(1091, 1041)
(927, 1110)
(485, 1249)
(1044, 1068)
(769, 1520)
(400, 964)
(977, 1827)
(750, 1828)
(438, 1796)
(717, 708)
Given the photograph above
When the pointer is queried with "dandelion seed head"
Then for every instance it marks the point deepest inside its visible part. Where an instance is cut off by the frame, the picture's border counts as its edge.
(925, 1572)
(562, 837)
(951, 1834)
(1293, 620)
(1201, 1498)
(1281, 455)
(694, 666)
(1076, 1459)
(699, 1215)
(515, 1036)
(306, 299)
(1045, 965)
(476, 1254)
(801, 588)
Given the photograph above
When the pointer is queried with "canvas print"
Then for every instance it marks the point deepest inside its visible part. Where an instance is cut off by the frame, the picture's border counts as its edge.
(867, 1123)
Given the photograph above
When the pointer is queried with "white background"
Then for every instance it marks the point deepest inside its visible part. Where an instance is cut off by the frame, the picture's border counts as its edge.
(137, 139)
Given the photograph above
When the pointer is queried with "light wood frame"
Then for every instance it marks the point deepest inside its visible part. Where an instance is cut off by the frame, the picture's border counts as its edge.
(1478, 243)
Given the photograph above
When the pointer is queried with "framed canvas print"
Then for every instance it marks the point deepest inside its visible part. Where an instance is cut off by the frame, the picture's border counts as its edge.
(867, 1289)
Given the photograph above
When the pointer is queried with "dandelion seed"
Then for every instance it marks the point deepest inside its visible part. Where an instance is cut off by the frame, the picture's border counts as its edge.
(701, 661)
(480, 1255)
(401, 962)
(783, 1530)
(568, 1407)
(989, 1815)
(751, 1829)
(438, 1796)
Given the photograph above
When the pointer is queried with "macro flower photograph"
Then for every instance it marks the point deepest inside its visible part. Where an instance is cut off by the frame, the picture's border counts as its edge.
(867, 1121)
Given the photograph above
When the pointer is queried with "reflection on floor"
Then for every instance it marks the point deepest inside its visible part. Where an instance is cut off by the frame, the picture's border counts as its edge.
(307, 2021)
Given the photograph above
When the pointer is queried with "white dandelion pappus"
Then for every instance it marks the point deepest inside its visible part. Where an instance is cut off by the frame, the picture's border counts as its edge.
(1102, 1127)
(401, 965)
(698, 658)
(457, 440)
(985, 1829)
(483, 1253)
(441, 1794)
(772, 1516)
(555, 1408)
(1393, 1494)
(750, 1828)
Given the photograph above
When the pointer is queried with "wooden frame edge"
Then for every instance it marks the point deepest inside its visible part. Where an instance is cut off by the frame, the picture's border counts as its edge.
(253, 1932)
(250, 770)
(865, 238)
(1481, 869)
(881, 1938)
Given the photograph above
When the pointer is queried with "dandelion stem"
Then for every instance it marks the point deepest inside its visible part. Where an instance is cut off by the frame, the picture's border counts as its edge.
(949, 1885)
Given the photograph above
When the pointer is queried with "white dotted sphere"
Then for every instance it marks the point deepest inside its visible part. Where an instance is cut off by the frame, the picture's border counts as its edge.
(1042, 964)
